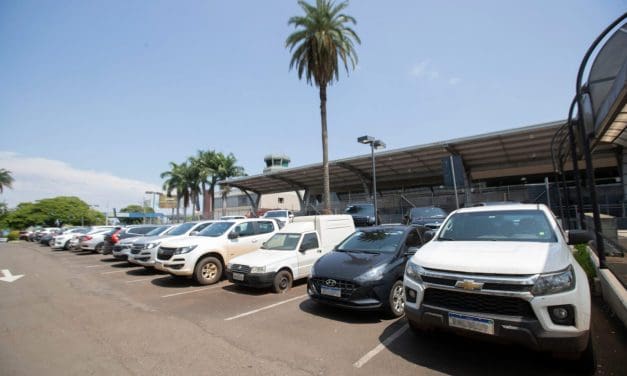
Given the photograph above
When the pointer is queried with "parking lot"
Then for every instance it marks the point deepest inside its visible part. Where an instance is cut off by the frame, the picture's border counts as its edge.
(84, 313)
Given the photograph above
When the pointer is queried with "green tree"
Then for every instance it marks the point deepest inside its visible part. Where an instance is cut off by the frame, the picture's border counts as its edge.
(48, 212)
(135, 209)
(205, 161)
(226, 168)
(322, 38)
(6, 180)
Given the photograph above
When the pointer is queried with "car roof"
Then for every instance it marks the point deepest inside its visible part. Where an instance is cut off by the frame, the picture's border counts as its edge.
(504, 207)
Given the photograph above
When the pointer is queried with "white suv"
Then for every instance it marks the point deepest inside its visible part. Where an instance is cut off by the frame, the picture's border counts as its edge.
(204, 256)
(502, 271)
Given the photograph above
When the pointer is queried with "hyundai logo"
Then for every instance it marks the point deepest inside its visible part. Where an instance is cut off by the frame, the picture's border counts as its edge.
(330, 282)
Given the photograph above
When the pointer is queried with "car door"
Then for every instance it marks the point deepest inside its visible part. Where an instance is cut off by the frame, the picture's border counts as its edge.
(307, 254)
(246, 241)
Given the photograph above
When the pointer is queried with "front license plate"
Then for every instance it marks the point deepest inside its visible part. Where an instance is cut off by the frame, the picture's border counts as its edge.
(331, 291)
(476, 324)
(238, 276)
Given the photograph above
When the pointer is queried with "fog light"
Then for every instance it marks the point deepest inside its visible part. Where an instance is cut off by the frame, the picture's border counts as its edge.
(562, 315)
(410, 295)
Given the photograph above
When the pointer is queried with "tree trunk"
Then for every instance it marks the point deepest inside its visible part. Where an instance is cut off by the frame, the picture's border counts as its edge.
(178, 209)
(212, 189)
(326, 190)
(223, 204)
(184, 212)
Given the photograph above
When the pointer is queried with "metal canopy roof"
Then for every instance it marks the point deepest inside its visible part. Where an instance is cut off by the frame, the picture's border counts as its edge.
(516, 152)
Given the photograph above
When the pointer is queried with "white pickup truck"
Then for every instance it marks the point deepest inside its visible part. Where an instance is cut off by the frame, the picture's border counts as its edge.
(289, 254)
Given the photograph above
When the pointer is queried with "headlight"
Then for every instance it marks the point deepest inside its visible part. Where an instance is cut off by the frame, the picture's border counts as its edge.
(183, 250)
(151, 245)
(258, 269)
(371, 275)
(229, 266)
(552, 283)
(412, 271)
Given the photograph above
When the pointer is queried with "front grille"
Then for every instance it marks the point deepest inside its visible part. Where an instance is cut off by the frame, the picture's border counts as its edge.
(467, 302)
(347, 287)
(137, 248)
(361, 221)
(165, 253)
(486, 286)
(238, 268)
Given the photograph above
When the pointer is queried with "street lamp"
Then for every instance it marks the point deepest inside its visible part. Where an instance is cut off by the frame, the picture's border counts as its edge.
(374, 144)
(153, 202)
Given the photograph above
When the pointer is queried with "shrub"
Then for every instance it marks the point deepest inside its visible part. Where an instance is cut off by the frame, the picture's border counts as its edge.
(13, 235)
(583, 258)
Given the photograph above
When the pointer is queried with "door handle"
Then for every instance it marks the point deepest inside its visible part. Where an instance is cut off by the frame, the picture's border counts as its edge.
(319, 251)
(255, 241)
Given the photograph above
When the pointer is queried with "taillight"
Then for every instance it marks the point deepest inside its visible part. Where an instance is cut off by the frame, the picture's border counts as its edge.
(87, 237)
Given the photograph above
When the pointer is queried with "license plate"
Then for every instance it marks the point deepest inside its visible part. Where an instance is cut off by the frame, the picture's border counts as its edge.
(476, 324)
(331, 291)
(238, 276)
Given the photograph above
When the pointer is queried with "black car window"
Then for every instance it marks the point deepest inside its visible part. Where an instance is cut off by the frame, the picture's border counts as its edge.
(141, 230)
(202, 226)
(373, 241)
(216, 229)
(310, 241)
(181, 229)
(264, 227)
(413, 239)
(245, 229)
(157, 231)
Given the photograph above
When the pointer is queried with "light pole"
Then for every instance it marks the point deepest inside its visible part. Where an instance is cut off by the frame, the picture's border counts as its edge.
(374, 144)
(153, 200)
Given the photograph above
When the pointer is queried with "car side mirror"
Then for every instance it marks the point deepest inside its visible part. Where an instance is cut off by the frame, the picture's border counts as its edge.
(579, 236)
(233, 235)
(428, 235)
(411, 251)
(194, 233)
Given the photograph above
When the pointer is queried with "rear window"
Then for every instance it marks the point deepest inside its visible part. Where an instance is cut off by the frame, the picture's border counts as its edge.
(427, 213)
(502, 225)
(141, 230)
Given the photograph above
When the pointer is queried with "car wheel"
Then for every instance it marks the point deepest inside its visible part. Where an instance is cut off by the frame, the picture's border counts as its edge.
(208, 271)
(99, 248)
(66, 246)
(282, 282)
(396, 300)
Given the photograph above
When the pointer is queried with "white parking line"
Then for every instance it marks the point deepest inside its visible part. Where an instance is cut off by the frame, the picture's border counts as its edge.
(364, 359)
(139, 280)
(189, 292)
(115, 271)
(96, 266)
(264, 308)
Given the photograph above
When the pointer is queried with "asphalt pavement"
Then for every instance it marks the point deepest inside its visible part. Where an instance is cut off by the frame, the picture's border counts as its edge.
(84, 313)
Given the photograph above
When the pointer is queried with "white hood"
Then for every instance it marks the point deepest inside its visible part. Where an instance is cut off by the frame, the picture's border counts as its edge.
(186, 241)
(263, 257)
(493, 257)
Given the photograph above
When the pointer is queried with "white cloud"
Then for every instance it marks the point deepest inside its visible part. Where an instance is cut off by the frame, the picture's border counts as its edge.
(454, 81)
(423, 70)
(38, 178)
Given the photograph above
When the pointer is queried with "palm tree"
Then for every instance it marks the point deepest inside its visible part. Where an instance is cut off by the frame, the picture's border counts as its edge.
(178, 179)
(323, 36)
(226, 168)
(205, 161)
(6, 180)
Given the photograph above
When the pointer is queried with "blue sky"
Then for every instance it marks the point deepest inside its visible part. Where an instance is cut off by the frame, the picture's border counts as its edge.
(120, 88)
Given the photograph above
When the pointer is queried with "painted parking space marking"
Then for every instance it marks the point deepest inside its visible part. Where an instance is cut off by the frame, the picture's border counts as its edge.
(192, 291)
(96, 266)
(139, 280)
(116, 271)
(372, 353)
(263, 308)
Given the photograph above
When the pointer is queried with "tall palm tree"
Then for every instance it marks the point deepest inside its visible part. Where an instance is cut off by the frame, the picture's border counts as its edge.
(172, 183)
(6, 180)
(322, 38)
(226, 168)
(205, 161)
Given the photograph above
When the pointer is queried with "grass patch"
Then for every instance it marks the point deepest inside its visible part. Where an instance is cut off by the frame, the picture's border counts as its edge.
(583, 258)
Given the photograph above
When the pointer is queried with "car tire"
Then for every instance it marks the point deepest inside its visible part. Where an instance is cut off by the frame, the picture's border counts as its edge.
(99, 248)
(396, 300)
(282, 282)
(66, 246)
(208, 271)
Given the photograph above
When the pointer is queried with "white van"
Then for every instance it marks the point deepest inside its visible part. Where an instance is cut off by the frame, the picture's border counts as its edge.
(290, 253)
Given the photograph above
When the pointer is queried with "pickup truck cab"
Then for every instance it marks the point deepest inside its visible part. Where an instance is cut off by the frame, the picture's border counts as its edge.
(289, 254)
(205, 255)
(503, 272)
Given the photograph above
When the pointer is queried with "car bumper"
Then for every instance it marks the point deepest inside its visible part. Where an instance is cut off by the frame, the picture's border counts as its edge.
(175, 266)
(253, 279)
(143, 260)
(368, 297)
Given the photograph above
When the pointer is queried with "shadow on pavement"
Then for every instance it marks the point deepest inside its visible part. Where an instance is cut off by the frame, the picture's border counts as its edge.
(245, 290)
(144, 272)
(174, 282)
(340, 314)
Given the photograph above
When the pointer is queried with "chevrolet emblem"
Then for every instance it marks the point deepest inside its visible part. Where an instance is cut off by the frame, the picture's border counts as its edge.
(469, 285)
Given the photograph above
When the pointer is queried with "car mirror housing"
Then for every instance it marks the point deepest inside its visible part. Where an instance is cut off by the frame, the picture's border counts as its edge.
(411, 251)
(233, 235)
(193, 233)
(428, 235)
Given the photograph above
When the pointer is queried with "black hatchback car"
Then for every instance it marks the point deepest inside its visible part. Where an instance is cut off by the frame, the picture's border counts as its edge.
(365, 271)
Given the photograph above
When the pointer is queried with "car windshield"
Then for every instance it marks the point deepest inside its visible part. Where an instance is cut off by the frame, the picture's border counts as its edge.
(157, 231)
(360, 209)
(427, 213)
(181, 229)
(275, 214)
(282, 242)
(372, 241)
(216, 229)
(501, 225)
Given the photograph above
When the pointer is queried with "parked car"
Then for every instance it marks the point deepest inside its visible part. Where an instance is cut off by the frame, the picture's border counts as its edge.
(122, 248)
(365, 271)
(62, 240)
(144, 250)
(111, 239)
(284, 216)
(46, 238)
(204, 256)
(94, 240)
(38, 234)
(289, 254)
(428, 216)
(76, 240)
(24, 235)
(229, 217)
(363, 214)
(504, 272)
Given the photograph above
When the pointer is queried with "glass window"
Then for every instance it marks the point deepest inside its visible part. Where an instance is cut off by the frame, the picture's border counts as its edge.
(360, 209)
(181, 229)
(310, 241)
(245, 229)
(157, 231)
(503, 225)
(216, 229)
(264, 227)
(141, 230)
(373, 241)
(427, 213)
(282, 242)
(413, 239)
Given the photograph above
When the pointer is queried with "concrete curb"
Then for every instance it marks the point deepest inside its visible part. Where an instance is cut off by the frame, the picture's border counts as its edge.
(614, 294)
